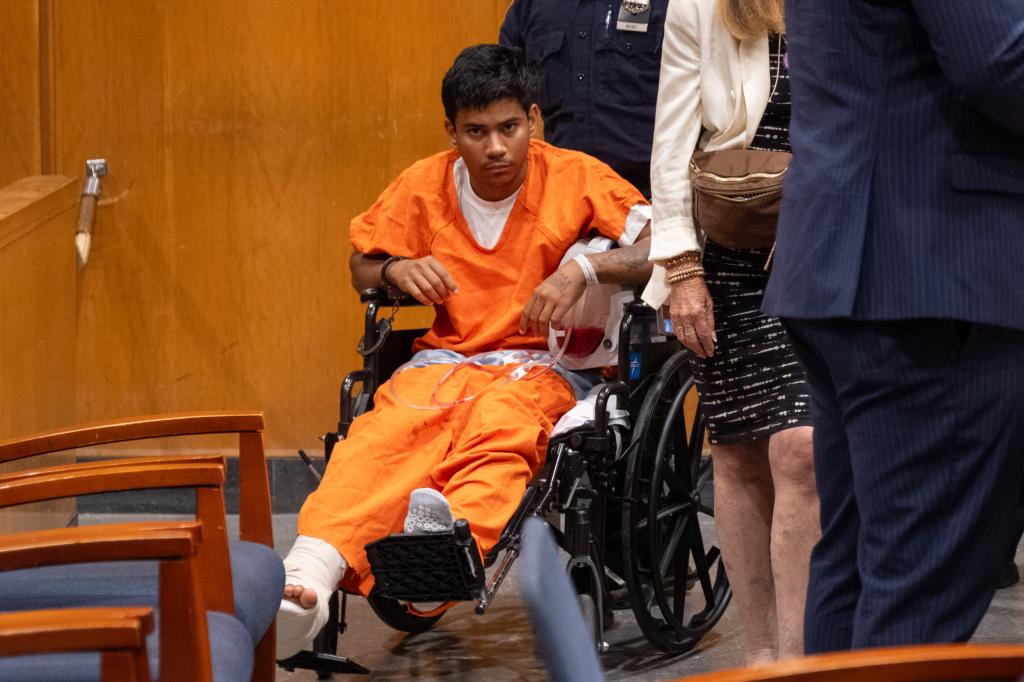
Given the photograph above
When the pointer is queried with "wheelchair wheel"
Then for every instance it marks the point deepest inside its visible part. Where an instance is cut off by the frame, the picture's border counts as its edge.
(589, 610)
(661, 534)
(395, 614)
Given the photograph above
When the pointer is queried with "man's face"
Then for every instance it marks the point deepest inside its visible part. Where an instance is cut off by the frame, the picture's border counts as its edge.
(494, 143)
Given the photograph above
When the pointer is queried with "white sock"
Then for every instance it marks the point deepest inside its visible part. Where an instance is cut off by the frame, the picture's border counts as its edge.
(310, 563)
(429, 512)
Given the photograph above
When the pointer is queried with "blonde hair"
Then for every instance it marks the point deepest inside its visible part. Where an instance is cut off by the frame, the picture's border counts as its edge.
(752, 18)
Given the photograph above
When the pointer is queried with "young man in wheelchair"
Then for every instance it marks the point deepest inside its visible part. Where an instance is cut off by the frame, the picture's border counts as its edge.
(478, 232)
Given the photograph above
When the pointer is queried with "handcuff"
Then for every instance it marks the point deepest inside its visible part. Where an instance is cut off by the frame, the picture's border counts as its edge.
(391, 290)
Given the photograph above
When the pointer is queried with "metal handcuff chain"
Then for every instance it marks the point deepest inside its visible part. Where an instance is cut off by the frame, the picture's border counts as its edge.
(527, 371)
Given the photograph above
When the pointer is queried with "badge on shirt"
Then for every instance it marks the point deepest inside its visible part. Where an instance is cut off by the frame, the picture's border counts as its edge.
(634, 15)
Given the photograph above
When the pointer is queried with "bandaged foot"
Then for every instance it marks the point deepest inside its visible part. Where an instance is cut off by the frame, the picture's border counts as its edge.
(429, 512)
(312, 570)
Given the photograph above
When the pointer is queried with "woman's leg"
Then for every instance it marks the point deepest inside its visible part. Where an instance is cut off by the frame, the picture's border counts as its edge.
(744, 498)
(795, 530)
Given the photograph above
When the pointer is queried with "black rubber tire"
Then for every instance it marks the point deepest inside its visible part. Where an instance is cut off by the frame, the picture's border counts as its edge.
(396, 615)
(665, 474)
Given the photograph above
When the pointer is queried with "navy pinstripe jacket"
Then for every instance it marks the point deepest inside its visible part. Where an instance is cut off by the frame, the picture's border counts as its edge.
(905, 198)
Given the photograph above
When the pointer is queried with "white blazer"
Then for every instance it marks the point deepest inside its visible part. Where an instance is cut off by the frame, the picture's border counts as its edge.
(712, 94)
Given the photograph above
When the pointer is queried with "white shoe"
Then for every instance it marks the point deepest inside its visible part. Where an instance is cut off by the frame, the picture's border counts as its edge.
(429, 512)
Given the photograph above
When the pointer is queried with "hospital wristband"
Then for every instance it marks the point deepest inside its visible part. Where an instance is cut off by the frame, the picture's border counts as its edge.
(587, 267)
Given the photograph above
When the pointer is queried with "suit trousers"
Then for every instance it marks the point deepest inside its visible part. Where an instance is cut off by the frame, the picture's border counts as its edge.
(919, 460)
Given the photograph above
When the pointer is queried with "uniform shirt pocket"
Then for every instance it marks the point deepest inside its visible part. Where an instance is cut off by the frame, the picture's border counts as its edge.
(627, 66)
(553, 64)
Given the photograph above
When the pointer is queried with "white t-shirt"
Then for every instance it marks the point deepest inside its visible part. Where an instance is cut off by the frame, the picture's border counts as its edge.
(486, 219)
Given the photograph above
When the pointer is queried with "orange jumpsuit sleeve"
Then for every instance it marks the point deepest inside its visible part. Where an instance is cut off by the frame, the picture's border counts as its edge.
(609, 197)
(394, 224)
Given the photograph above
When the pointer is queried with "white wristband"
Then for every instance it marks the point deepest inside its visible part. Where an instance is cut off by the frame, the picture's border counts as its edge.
(589, 273)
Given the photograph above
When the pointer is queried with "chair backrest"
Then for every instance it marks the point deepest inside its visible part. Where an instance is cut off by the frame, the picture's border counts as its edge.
(562, 636)
(888, 664)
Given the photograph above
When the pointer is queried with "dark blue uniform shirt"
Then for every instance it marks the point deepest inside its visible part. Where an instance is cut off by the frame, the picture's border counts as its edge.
(599, 84)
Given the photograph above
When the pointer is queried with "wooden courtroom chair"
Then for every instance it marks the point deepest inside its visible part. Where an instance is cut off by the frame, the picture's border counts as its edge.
(185, 627)
(119, 634)
(888, 664)
(250, 589)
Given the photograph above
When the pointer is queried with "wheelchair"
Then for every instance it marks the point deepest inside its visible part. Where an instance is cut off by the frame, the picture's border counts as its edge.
(624, 501)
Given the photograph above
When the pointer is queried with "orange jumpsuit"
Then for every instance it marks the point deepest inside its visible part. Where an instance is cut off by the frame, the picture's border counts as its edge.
(479, 454)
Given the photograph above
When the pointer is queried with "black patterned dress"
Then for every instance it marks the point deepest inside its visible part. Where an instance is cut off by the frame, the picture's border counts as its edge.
(752, 386)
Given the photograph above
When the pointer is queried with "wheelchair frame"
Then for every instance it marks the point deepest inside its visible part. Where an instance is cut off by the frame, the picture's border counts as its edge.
(658, 498)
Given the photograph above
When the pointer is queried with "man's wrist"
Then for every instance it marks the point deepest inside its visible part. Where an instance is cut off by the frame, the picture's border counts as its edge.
(386, 283)
(589, 273)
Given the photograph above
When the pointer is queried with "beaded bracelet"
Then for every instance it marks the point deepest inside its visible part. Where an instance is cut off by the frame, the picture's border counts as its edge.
(682, 275)
(685, 259)
(686, 265)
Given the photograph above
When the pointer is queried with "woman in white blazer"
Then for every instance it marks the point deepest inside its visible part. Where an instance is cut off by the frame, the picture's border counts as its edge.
(724, 84)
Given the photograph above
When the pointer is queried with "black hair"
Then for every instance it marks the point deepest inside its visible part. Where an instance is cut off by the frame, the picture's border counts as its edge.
(485, 74)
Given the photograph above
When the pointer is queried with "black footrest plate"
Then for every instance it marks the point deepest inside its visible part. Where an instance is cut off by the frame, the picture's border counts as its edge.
(322, 663)
(428, 567)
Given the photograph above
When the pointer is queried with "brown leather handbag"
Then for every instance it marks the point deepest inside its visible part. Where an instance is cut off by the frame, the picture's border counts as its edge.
(736, 195)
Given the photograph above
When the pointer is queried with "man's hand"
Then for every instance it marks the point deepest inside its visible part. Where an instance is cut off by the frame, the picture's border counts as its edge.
(693, 316)
(425, 279)
(552, 299)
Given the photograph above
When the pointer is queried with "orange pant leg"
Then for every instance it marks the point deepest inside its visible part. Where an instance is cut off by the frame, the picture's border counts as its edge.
(389, 451)
(480, 454)
(500, 444)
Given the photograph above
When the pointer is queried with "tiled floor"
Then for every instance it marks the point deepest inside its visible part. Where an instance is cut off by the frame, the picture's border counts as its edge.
(499, 645)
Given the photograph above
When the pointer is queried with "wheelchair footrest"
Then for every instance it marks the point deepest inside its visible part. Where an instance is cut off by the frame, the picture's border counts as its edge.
(428, 567)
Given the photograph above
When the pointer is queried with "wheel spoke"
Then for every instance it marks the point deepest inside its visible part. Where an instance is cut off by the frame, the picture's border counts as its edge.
(672, 544)
(684, 507)
(700, 560)
(675, 484)
(660, 528)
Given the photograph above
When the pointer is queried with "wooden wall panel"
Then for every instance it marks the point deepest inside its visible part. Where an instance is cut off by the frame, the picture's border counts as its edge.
(19, 90)
(242, 136)
(109, 79)
(37, 327)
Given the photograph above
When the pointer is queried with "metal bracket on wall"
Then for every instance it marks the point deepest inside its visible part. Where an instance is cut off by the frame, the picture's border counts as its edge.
(94, 170)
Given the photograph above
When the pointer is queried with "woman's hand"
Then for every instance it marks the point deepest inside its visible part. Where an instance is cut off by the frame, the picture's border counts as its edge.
(693, 317)
(425, 279)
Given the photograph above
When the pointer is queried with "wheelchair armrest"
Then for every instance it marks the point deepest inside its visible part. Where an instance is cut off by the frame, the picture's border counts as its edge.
(380, 297)
(347, 410)
(617, 388)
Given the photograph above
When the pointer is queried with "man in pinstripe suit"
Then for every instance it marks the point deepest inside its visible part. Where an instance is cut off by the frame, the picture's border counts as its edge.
(898, 270)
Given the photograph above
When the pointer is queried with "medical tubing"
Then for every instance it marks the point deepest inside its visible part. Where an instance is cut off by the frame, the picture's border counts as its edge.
(506, 375)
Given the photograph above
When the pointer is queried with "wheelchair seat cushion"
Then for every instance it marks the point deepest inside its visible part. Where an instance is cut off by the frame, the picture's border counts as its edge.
(230, 652)
(257, 576)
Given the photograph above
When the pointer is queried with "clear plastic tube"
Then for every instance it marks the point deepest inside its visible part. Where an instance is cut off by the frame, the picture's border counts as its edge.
(528, 370)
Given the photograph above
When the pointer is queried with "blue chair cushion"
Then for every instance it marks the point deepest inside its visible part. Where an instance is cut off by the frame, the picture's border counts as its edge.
(257, 578)
(230, 651)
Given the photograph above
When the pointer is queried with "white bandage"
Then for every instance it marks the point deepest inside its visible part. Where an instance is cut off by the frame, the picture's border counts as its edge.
(588, 269)
(310, 563)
